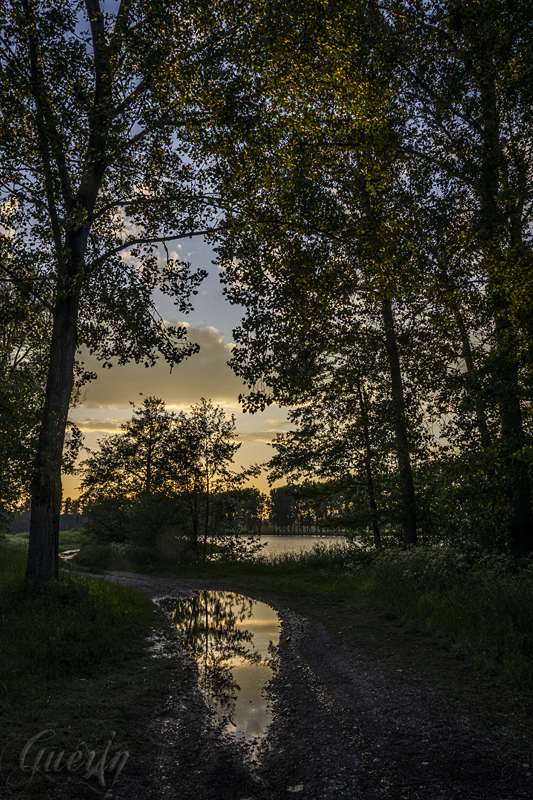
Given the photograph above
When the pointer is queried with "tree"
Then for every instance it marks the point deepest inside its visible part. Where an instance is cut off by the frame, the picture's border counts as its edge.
(333, 442)
(172, 464)
(378, 127)
(471, 117)
(317, 300)
(282, 511)
(202, 452)
(93, 175)
(312, 181)
(134, 462)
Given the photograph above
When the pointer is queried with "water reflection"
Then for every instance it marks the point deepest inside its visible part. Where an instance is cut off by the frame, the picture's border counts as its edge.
(234, 640)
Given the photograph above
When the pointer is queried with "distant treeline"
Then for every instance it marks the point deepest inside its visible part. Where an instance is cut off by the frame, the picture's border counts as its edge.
(71, 517)
(307, 509)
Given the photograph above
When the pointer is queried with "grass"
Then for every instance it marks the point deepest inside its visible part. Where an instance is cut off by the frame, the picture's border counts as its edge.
(481, 609)
(75, 663)
(462, 625)
(67, 539)
(74, 658)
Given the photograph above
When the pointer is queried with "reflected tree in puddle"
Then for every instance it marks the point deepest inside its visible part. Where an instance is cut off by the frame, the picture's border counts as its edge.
(234, 641)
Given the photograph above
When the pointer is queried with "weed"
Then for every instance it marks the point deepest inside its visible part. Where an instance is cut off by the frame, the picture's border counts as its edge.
(74, 661)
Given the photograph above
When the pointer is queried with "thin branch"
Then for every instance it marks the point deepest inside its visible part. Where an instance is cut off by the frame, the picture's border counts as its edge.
(147, 131)
(109, 207)
(435, 97)
(45, 123)
(148, 240)
(134, 95)
(24, 194)
(25, 289)
(148, 201)
(434, 160)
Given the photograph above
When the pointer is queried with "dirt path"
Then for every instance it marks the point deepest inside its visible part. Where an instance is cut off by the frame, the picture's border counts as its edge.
(348, 725)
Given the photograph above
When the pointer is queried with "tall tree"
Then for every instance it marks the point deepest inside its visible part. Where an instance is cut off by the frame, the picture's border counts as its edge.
(466, 85)
(363, 109)
(313, 281)
(93, 175)
(333, 441)
(202, 453)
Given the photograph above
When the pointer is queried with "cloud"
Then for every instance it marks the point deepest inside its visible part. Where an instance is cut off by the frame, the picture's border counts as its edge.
(257, 436)
(99, 425)
(205, 374)
(280, 424)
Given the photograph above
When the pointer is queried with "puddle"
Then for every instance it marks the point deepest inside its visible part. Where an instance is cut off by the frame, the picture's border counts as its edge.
(68, 555)
(234, 641)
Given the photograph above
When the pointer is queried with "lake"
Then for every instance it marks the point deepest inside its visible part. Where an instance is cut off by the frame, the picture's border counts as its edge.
(285, 544)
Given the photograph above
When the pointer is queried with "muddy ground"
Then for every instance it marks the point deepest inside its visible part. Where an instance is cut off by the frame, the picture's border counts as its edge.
(371, 711)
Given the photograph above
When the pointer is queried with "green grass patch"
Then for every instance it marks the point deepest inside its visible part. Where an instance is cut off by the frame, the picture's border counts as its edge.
(67, 539)
(481, 609)
(75, 663)
(73, 538)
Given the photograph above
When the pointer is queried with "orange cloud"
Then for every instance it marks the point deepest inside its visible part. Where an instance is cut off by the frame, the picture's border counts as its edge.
(205, 374)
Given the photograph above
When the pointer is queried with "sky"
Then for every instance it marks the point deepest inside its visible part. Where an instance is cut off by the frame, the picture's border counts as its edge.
(106, 401)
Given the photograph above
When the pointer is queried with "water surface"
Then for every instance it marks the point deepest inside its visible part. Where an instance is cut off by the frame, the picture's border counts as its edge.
(234, 641)
(284, 544)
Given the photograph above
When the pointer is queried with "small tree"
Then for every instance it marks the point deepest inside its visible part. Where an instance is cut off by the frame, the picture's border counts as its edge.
(162, 465)
(134, 462)
(203, 451)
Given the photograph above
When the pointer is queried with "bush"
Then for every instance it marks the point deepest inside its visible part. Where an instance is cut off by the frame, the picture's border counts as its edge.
(481, 605)
(145, 527)
(75, 626)
(107, 519)
(234, 546)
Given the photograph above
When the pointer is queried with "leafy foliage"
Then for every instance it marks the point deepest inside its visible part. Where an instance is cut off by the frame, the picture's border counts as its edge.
(380, 229)
(167, 477)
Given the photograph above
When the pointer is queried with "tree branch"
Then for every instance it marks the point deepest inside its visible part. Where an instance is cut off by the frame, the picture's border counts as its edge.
(47, 133)
(420, 83)
(147, 240)
(24, 288)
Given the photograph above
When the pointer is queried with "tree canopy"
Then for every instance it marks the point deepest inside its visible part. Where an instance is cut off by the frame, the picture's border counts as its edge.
(93, 176)
(364, 171)
(388, 179)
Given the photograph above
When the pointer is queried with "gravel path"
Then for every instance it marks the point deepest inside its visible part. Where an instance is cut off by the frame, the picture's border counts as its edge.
(344, 728)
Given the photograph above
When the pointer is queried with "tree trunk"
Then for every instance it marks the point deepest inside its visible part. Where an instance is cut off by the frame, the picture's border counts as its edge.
(494, 227)
(206, 528)
(368, 464)
(468, 356)
(403, 449)
(471, 371)
(46, 489)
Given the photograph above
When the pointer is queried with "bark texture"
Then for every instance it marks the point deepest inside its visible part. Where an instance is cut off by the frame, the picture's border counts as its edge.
(403, 448)
(498, 228)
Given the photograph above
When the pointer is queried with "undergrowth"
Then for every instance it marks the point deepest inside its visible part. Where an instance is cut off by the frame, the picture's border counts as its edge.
(74, 662)
(480, 607)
